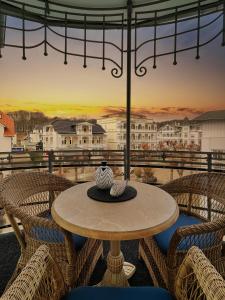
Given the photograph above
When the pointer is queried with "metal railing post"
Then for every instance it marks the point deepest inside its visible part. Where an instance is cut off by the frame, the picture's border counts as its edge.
(50, 161)
(125, 161)
(209, 161)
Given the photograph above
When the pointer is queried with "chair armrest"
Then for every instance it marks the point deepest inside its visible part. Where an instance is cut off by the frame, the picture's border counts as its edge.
(204, 231)
(197, 276)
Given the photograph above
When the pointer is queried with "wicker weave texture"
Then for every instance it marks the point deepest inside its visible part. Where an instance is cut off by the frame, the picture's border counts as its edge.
(40, 279)
(198, 279)
(201, 195)
(28, 197)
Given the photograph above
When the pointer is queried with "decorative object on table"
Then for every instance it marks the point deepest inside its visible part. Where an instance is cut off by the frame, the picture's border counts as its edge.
(104, 176)
(104, 195)
(118, 188)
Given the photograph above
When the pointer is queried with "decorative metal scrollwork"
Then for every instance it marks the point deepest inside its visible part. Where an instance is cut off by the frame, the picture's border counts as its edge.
(140, 71)
(147, 16)
(117, 72)
(156, 19)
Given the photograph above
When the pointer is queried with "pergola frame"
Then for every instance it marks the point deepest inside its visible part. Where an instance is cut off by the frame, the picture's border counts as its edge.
(129, 18)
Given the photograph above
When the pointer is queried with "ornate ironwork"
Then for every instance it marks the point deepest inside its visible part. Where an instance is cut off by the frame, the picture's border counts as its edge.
(143, 16)
(64, 21)
(153, 17)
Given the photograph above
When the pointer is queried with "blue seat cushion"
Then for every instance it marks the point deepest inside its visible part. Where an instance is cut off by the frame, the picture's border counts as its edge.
(54, 235)
(115, 293)
(163, 239)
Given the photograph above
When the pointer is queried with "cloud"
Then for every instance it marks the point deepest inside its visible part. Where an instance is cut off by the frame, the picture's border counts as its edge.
(76, 111)
(157, 113)
(190, 110)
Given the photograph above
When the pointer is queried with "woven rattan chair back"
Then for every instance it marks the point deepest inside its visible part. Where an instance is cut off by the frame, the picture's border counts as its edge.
(41, 279)
(197, 278)
(27, 197)
(202, 194)
(34, 191)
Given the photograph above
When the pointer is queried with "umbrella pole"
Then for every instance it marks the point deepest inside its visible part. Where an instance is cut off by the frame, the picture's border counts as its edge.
(128, 101)
(2, 31)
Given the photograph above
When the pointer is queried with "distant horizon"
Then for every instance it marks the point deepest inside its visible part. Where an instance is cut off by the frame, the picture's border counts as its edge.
(155, 116)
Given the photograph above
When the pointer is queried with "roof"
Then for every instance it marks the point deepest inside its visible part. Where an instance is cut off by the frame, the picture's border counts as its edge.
(8, 123)
(64, 126)
(96, 128)
(69, 126)
(211, 115)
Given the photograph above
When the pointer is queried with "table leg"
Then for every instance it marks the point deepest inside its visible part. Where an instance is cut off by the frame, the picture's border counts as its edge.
(117, 271)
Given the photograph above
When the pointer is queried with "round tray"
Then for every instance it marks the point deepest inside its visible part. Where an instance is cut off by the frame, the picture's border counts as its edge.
(104, 195)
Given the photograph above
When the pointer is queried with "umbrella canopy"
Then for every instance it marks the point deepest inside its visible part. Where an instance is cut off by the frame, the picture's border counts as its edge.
(110, 14)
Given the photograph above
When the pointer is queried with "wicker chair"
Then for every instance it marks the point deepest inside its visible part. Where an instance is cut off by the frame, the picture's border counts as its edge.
(27, 197)
(41, 279)
(202, 198)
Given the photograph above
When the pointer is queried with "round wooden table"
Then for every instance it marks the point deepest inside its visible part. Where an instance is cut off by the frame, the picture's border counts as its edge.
(150, 212)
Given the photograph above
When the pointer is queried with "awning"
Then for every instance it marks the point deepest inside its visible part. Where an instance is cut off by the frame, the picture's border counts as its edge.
(110, 14)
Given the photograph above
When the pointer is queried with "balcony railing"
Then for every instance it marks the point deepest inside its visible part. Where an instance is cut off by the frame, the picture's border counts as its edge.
(185, 160)
(53, 160)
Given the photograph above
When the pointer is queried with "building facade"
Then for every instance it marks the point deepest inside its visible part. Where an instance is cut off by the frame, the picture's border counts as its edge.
(7, 132)
(179, 135)
(212, 126)
(143, 132)
(66, 135)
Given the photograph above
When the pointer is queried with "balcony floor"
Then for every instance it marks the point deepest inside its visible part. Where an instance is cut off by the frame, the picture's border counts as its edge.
(9, 253)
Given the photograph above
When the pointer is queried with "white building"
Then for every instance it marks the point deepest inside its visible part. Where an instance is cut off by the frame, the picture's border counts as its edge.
(37, 134)
(67, 134)
(143, 132)
(169, 134)
(178, 134)
(212, 126)
(7, 132)
(191, 135)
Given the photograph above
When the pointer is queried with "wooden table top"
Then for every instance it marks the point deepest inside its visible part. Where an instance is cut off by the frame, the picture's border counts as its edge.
(150, 212)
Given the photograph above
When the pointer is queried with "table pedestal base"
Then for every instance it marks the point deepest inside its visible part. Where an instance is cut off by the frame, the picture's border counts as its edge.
(118, 272)
(129, 269)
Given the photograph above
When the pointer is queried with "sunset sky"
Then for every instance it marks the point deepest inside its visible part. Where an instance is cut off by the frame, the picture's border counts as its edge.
(46, 84)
